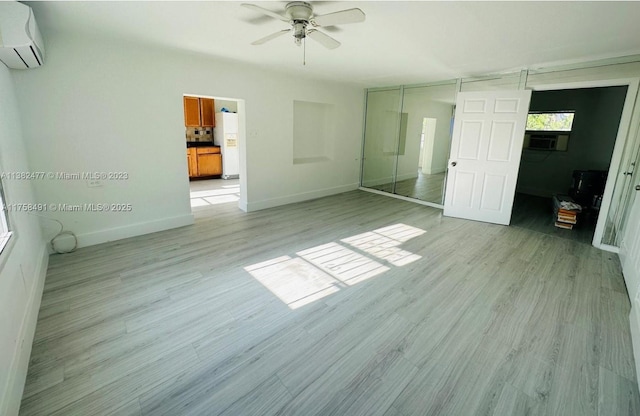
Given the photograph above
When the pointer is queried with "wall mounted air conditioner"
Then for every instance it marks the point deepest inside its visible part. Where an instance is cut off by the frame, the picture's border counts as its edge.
(547, 140)
(21, 44)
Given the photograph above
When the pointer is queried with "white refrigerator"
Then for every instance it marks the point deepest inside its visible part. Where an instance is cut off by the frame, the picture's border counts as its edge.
(225, 135)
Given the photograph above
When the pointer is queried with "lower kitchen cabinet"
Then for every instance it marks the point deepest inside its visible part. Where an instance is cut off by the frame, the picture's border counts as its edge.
(204, 161)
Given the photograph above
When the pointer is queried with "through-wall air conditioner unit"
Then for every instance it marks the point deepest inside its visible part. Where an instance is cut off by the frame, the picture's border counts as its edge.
(547, 140)
(21, 44)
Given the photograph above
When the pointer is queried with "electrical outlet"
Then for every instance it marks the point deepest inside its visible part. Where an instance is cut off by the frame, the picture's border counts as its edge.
(94, 183)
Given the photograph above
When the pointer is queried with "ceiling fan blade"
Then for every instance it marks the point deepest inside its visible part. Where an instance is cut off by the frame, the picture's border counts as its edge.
(271, 36)
(340, 18)
(325, 40)
(265, 11)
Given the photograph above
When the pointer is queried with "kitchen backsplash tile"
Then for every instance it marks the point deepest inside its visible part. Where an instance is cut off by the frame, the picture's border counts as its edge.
(199, 134)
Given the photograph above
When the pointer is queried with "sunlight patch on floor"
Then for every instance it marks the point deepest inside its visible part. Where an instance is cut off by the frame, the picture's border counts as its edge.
(230, 193)
(325, 269)
(293, 280)
(343, 264)
(383, 243)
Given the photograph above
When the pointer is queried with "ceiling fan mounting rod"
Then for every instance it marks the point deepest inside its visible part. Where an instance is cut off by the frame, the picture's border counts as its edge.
(299, 10)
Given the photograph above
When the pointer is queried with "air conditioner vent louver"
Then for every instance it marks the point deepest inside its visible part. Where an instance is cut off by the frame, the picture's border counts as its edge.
(21, 44)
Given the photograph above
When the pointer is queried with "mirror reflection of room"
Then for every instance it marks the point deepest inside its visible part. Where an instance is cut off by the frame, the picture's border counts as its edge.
(407, 143)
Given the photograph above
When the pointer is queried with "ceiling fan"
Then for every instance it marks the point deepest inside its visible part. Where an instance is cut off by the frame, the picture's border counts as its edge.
(303, 21)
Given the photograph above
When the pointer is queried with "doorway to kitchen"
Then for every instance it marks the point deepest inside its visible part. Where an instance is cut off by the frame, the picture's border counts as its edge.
(214, 140)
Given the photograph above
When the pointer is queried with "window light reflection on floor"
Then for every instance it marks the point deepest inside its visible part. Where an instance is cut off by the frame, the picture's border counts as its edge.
(294, 281)
(325, 269)
(382, 243)
(345, 265)
(209, 197)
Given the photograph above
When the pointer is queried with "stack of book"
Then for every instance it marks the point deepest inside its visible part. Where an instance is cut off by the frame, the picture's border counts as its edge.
(565, 211)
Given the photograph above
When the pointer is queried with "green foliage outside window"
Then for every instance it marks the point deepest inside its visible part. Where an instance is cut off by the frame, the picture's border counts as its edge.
(550, 121)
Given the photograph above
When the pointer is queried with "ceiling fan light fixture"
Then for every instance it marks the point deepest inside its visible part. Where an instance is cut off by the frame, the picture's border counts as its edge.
(299, 30)
(304, 23)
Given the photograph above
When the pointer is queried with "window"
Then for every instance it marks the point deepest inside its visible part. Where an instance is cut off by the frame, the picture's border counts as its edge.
(556, 121)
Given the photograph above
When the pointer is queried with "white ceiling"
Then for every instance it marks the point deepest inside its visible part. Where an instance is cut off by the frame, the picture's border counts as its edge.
(399, 43)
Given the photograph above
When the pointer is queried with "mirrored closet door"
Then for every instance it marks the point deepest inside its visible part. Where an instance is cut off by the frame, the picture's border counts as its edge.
(381, 139)
(407, 140)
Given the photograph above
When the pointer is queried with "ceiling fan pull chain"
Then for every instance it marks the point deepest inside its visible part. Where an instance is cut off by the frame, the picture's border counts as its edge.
(304, 51)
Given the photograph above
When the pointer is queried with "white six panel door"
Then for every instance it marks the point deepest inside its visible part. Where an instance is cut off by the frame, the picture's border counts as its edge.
(486, 146)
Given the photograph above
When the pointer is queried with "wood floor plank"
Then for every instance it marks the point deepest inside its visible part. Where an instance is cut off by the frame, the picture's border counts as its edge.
(102, 398)
(427, 315)
(514, 402)
(342, 377)
(574, 390)
(265, 400)
(617, 395)
(213, 387)
(612, 269)
(132, 408)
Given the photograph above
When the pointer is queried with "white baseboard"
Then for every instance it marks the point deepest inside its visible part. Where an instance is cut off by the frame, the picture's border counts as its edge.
(435, 171)
(22, 353)
(304, 196)
(404, 198)
(377, 182)
(406, 176)
(133, 230)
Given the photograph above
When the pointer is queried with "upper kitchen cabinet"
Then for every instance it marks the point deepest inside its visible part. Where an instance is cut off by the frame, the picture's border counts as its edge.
(198, 112)
(191, 111)
(207, 115)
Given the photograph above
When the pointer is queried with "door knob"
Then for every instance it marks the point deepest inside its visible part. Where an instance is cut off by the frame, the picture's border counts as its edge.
(455, 163)
(637, 187)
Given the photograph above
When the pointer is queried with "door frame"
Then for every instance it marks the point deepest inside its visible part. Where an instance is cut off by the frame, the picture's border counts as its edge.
(242, 144)
(622, 137)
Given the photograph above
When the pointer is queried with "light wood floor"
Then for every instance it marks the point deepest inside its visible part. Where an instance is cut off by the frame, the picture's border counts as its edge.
(206, 194)
(355, 304)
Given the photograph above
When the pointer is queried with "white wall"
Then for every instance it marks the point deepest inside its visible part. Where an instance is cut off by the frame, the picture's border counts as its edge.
(591, 143)
(107, 105)
(22, 264)
(228, 104)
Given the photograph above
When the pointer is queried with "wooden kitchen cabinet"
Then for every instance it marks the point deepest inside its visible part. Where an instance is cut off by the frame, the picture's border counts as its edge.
(199, 112)
(192, 162)
(204, 161)
(209, 161)
(191, 111)
(207, 114)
